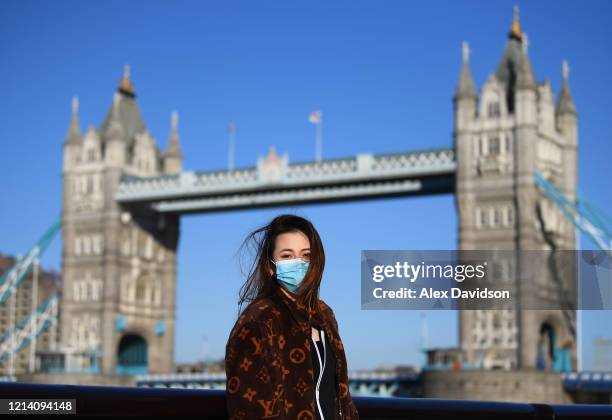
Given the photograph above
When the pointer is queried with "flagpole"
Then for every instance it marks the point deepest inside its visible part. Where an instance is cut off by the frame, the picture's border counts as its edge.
(319, 139)
(316, 117)
(231, 145)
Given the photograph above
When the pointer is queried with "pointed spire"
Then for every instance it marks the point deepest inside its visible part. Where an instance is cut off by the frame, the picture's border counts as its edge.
(514, 69)
(515, 28)
(114, 130)
(129, 113)
(465, 86)
(565, 105)
(74, 131)
(174, 146)
(125, 86)
(465, 52)
(565, 70)
(75, 106)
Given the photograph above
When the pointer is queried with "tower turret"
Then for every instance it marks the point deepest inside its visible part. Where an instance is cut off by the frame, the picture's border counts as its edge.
(566, 114)
(566, 119)
(173, 157)
(72, 143)
(115, 153)
(465, 93)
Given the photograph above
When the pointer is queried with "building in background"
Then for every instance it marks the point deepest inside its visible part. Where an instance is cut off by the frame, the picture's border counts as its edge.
(49, 283)
(211, 366)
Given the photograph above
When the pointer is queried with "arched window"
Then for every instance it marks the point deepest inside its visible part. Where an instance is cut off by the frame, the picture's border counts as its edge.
(494, 145)
(140, 289)
(509, 215)
(482, 219)
(493, 109)
(496, 217)
(90, 184)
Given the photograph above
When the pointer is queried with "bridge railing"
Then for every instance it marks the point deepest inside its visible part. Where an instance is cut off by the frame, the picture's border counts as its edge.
(364, 166)
(210, 404)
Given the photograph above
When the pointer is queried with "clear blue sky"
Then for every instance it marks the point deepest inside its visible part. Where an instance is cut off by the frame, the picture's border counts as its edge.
(382, 72)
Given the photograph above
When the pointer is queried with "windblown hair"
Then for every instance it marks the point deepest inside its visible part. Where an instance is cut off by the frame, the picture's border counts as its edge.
(259, 282)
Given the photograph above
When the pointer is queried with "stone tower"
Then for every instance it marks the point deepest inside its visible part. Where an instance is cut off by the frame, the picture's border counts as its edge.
(119, 265)
(503, 134)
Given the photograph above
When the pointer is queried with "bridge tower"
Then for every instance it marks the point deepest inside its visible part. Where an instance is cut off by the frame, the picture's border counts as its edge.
(119, 267)
(501, 136)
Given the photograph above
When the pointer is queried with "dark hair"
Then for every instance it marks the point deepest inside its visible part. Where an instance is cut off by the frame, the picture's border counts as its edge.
(260, 283)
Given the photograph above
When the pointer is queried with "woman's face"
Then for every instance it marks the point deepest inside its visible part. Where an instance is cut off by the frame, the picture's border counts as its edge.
(291, 245)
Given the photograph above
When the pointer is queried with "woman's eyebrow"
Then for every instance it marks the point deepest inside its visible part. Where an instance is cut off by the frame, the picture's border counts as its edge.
(287, 249)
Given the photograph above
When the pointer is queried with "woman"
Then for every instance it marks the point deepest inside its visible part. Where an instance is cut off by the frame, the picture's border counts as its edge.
(284, 358)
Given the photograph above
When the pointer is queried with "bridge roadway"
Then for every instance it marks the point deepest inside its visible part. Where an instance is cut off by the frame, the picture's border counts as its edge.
(276, 182)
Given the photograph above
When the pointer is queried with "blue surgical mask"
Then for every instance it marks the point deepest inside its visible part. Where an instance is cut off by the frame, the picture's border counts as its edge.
(290, 273)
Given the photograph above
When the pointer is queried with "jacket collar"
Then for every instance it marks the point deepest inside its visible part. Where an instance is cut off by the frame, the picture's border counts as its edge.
(302, 315)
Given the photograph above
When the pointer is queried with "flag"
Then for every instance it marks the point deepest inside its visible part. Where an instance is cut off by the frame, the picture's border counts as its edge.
(315, 117)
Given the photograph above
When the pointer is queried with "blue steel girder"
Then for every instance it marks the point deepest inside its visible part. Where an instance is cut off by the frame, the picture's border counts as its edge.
(275, 182)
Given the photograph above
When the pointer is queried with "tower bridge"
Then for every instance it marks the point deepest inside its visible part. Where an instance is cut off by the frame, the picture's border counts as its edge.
(123, 198)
